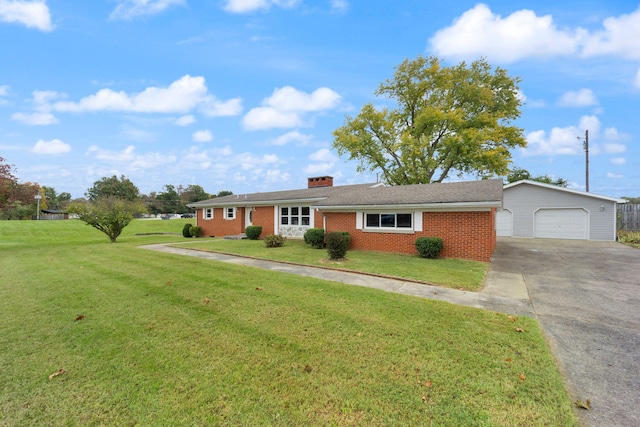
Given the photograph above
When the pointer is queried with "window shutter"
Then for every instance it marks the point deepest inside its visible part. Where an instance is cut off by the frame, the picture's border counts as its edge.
(359, 216)
(417, 221)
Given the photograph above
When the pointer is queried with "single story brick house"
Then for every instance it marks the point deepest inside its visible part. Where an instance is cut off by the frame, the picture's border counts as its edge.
(378, 217)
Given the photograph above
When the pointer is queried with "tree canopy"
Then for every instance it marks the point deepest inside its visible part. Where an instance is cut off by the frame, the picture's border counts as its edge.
(16, 198)
(108, 214)
(446, 119)
(519, 174)
(121, 188)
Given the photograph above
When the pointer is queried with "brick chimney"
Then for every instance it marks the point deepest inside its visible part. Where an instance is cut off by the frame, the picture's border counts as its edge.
(321, 181)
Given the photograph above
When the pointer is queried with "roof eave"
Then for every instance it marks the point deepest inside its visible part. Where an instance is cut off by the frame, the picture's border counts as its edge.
(416, 206)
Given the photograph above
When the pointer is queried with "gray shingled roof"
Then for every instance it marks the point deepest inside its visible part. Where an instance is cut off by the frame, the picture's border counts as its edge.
(374, 195)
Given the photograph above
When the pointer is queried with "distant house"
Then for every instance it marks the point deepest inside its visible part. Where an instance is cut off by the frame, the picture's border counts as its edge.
(378, 217)
(48, 214)
(537, 210)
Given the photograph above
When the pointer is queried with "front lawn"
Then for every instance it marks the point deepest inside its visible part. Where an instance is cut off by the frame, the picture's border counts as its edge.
(448, 272)
(146, 338)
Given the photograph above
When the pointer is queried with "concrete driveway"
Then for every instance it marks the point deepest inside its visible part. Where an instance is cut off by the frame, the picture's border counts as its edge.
(586, 296)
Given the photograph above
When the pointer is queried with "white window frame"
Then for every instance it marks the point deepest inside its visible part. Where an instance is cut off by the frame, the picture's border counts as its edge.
(395, 227)
(207, 213)
(297, 217)
(229, 213)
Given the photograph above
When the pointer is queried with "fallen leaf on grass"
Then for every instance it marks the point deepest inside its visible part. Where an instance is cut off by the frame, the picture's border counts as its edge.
(508, 359)
(522, 377)
(428, 383)
(80, 317)
(584, 405)
(258, 289)
(307, 369)
(168, 282)
(55, 374)
(424, 398)
(511, 318)
(519, 329)
(206, 300)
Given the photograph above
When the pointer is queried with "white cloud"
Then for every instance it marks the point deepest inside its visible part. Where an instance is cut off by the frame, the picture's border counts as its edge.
(127, 158)
(4, 90)
(614, 175)
(293, 136)
(267, 118)
(618, 161)
(55, 146)
(523, 34)
(323, 155)
(213, 107)
(246, 6)
(35, 119)
(185, 120)
(202, 136)
(32, 14)
(339, 6)
(319, 169)
(620, 37)
(581, 98)
(129, 9)
(569, 140)
(180, 96)
(286, 106)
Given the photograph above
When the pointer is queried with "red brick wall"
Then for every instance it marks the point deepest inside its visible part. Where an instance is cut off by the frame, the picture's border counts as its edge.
(467, 235)
(218, 226)
(263, 216)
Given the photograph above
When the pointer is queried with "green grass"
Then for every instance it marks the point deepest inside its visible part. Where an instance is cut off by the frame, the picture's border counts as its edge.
(448, 272)
(268, 349)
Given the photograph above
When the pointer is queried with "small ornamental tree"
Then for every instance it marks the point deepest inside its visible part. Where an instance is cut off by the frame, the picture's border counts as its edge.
(108, 214)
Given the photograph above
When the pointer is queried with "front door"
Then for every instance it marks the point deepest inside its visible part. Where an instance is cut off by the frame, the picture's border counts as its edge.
(248, 216)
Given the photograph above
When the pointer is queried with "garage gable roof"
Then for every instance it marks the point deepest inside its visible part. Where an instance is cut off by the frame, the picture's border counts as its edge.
(566, 190)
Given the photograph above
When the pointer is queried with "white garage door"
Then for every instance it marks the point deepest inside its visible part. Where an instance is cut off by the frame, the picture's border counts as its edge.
(561, 223)
(504, 223)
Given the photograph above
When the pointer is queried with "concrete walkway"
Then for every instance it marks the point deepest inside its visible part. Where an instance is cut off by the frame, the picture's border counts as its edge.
(505, 292)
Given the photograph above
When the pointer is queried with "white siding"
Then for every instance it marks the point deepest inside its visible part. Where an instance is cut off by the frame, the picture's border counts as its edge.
(525, 199)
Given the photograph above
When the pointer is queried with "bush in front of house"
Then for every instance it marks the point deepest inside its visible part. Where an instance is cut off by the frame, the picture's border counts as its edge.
(186, 230)
(429, 247)
(195, 231)
(253, 232)
(315, 237)
(337, 244)
(274, 240)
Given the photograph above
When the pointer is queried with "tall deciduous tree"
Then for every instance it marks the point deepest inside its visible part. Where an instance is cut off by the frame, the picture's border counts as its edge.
(121, 188)
(446, 119)
(108, 214)
(519, 174)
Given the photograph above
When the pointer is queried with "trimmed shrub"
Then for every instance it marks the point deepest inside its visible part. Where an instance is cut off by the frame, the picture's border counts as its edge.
(348, 237)
(337, 244)
(186, 230)
(274, 240)
(253, 232)
(429, 247)
(195, 231)
(315, 237)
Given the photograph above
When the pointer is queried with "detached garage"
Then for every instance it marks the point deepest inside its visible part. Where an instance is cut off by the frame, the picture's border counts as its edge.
(534, 209)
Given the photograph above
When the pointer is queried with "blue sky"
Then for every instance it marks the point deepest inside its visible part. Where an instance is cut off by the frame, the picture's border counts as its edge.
(244, 95)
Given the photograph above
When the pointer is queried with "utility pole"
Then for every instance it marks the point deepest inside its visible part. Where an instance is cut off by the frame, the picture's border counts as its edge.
(586, 149)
